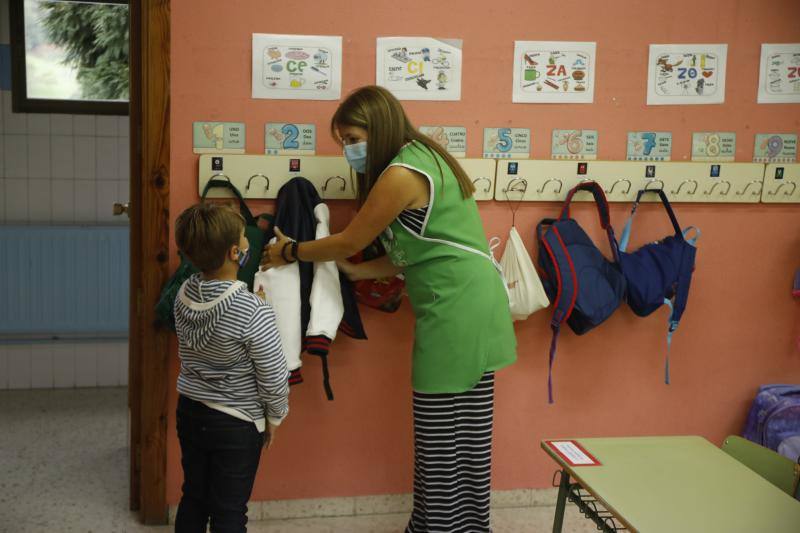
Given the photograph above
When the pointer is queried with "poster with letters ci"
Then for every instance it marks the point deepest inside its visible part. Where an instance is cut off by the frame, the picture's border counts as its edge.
(419, 68)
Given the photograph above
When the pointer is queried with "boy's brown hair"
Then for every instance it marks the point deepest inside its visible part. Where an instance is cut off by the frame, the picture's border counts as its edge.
(205, 232)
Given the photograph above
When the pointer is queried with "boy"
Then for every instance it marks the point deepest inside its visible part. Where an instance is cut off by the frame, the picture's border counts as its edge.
(233, 379)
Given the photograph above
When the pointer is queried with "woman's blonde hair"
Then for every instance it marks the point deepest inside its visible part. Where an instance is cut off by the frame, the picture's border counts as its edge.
(377, 110)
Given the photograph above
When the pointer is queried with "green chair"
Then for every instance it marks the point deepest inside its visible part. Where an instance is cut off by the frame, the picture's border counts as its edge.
(775, 468)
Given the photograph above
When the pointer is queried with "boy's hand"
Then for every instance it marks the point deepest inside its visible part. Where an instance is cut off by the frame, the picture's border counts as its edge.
(269, 438)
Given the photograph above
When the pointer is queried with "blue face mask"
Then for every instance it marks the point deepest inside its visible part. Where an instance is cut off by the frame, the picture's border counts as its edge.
(356, 155)
(243, 257)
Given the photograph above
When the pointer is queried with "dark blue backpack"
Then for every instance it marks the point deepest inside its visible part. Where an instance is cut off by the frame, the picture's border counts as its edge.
(660, 272)
(774, 419)
(584, 286)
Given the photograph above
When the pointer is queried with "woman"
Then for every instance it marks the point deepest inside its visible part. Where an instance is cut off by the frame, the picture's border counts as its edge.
(418, 200)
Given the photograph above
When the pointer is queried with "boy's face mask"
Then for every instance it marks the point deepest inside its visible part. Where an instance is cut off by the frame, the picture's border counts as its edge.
(244, 255)
(356, 155)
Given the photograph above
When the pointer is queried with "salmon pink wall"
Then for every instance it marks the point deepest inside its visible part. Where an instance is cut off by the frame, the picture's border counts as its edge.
(740, 327)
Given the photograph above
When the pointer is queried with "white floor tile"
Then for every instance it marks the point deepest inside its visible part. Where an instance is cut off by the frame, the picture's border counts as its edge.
(19, 366)
(107, 364)
(41, 366)
(63, 365)
(85, 365)
(3, 367)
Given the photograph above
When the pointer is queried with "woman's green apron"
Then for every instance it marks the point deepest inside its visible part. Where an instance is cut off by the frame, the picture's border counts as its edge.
(463, 322)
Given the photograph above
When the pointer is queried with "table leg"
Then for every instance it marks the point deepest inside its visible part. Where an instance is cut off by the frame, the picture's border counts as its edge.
(561, 502)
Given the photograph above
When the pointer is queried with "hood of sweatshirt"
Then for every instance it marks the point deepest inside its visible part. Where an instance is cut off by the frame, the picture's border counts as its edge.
(200, 306)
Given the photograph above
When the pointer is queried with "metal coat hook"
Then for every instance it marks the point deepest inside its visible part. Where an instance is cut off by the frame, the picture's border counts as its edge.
(510, 188)
(614, 186)
(254, 176)
(755, 193)
(344, 182)
(511, 184)
(487, 180)
(781, 186)
(220, 175)
(647, 187)
(684, 182)
(544, 185)
(713, 187)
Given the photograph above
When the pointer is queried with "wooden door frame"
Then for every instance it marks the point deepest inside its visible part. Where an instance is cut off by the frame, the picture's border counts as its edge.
(149, 223)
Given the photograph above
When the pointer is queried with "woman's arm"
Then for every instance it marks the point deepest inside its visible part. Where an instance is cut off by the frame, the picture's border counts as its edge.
(396, 189)
(381, 267)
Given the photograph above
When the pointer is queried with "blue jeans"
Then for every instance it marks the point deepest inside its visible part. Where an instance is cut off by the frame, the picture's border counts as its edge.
(219, 455)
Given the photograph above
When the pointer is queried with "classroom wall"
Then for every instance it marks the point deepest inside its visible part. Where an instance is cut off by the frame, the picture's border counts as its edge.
(741, 323)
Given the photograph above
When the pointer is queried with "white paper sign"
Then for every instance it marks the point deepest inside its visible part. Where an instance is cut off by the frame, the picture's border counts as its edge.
(573, 453)
(686, 74)
(779, 75)
(297, 67)
(554, 72)
(419, 68)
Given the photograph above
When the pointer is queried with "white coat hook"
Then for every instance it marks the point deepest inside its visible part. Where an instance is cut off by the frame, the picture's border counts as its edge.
(781, 186)
(684, 182)
(661, 187)
(614, 186)
(254, 176)
(344, 182)
(554, 180)
(483, 178)
(755, 191)
(713, 187)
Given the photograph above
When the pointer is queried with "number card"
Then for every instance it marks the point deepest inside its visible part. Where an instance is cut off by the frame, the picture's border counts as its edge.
(713, 146)
(775, 148)
(686, 74)
(505, 143)
(574, 144)
(287, 138)
(218, 137)
(649, 145)
(452, 138)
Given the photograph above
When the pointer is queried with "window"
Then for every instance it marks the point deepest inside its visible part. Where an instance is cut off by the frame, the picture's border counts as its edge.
(69, 56)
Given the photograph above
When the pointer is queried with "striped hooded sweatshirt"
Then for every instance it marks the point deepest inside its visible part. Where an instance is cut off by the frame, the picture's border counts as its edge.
(230, 351)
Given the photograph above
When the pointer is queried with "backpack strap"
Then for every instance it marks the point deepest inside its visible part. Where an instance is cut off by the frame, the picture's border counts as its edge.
(566, 283)
(602, 210)
(226, 184)
(626, 232)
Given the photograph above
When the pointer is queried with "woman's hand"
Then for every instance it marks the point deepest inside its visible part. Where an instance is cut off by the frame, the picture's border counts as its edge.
(348, 269)
(271, 255)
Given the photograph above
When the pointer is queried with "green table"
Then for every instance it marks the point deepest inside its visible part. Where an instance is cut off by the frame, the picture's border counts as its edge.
(669, 485)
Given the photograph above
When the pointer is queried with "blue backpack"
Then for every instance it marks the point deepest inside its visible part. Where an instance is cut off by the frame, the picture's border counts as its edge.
(584, 286)
(660, 272)
(774, 420)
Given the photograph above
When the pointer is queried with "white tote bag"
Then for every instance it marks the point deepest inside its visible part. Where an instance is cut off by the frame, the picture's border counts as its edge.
(525, 292)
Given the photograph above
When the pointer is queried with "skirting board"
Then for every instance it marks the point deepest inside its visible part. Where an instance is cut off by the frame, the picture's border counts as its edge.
(376, 505)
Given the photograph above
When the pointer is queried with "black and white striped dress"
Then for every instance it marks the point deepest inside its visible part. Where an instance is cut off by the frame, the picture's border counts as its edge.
(453, 460)
(452, 448)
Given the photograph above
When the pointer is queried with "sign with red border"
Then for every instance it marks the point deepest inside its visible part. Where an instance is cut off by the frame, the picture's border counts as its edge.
(572, 453)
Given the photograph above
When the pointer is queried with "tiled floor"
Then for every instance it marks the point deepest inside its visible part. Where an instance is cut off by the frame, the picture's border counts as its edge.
(64, 468)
